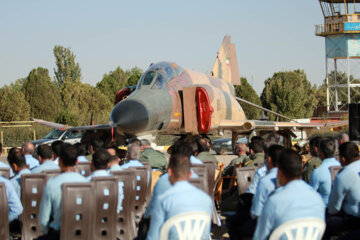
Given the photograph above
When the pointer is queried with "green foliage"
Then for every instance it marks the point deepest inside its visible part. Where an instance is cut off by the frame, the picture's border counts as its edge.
(13, 106)
(42, 95)
(290, 94)
(321, 95)
(116, 80)
(246, 91)
(67, 70)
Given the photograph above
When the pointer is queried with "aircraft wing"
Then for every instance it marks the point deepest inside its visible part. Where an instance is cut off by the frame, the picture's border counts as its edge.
(63, 127)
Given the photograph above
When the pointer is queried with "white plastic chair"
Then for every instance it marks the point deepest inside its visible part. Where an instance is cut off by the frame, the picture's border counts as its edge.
(300, 229)
(189, 226)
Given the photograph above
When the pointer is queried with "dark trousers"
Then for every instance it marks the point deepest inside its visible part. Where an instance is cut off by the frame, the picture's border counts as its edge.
(51, 235)
(342, 223)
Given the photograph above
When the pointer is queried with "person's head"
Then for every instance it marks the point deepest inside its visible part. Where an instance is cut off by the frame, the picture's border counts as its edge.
(136, 141)
(257, 144)
(348, 153)
(56, 147)
(179, 168)
(44, 153)
(314, 144)
(96, 144)
(203, 145)
(327, 148)
(27, 148)
(17, 161)
(68, 156)
(181, 146)
(273, 137)
(240, 149)
(290, 166)
(343, 138)
(145, 144)
(273, 154)
(81, 148)
(133, 152)
(100, 159)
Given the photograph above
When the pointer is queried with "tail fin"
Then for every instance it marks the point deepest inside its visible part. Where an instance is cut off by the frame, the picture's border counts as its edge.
(226, 65)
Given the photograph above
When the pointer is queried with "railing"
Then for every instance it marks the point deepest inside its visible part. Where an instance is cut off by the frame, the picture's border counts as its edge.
(322, 29)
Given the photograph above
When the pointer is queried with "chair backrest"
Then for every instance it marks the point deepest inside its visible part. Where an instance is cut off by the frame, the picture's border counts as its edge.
(190, 226)
(211, 176)
(77, 211)
(84, 168)
(141, 185)
(202, 171)
(334, 170)
(5, 172)
(105, 202)
(149, 172)
(4, 213)
(51, 173)
(300, 229)
(125, 224)
(32, 186)
(244, 178)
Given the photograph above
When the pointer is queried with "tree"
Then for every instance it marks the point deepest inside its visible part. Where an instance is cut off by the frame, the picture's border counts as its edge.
(42, 94)
(13, 106)
(66, 67)
(246, 91)
(135, 74)
(290, 94)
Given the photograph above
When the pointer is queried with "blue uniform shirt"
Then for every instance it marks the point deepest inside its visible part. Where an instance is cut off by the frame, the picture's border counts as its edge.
(132, 163)
(31, 161)
(293, 201)
(266, 186)
(14, 203)
(50, 205)
(105, 173)
(82, 159)
(195, 160)
(175, 201)
(115, 167)
(345, 193)
(260, 172)
(4, 165)
(320, 178)
(16, 181)
(47, 165)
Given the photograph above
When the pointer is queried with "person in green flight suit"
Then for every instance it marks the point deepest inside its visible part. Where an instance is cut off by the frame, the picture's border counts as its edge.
(204, 150)
(314, 162)
(256, 157)
(240, 150)
(157, 159)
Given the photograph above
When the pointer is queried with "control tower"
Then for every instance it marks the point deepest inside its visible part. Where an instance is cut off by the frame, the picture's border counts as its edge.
(341, 30)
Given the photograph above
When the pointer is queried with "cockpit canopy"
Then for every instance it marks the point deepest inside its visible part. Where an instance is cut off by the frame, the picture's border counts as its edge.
(157, 75)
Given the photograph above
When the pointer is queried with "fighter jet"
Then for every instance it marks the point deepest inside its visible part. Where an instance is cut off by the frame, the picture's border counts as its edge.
(169, 99)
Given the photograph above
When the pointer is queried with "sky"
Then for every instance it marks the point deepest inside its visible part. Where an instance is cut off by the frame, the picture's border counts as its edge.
(269, 36)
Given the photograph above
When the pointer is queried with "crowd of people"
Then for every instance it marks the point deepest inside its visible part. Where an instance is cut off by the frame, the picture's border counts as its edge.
(283, 188)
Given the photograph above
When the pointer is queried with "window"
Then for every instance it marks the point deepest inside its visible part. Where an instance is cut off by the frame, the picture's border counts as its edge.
(148, 78)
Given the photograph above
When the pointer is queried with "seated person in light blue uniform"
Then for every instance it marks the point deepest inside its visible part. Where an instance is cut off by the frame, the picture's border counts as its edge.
(132, 156)
(18, 164)
(268, 183)
(320, 178)
(177, 200)
(294, 200)
(114, 160)
(45, 155)
(99, 167)
(81, 148)
(50, 206)
(56, 147)
(344, 203)
(260, 173)
(14, 203)
(28, 149)
(4, 165)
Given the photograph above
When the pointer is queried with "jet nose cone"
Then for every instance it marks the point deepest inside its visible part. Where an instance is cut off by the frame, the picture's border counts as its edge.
(130, 116)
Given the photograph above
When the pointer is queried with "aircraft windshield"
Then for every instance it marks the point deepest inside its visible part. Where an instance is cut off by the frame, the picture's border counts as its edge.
(55, 134)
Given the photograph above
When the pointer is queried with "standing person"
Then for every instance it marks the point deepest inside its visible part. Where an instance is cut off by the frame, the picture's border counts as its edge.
(176, 200)
(18, 164)
(45, 155)
(294, 200)
(320, 178)
(157, 159)
(315, 161)
(240, 149)
(344, 200)
(50, 205)
(27, 150)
